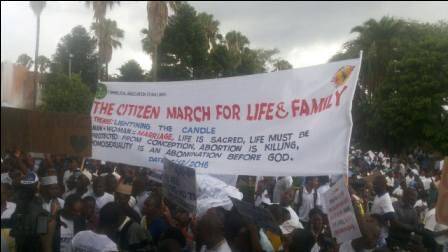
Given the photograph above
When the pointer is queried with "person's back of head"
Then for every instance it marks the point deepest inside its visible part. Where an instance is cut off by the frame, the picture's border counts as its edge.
(301, 241)
(110, 217)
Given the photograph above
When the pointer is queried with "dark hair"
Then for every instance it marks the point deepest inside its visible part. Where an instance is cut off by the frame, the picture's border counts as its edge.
(309, 179)
(174, 234)
(315, 211)
(89, 199)
(109, 215)
(324, 179)
(156, 199)
(71, 200)
(302, 241)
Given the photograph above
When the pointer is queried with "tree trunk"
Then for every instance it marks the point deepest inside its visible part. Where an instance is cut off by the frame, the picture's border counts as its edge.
(107, 71)
(155, 63)
(36, 55)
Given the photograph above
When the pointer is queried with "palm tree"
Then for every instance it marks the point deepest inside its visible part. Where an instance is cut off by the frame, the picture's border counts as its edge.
(157, 13)
(211, 28)
(111, 35)
(37, 7)
(99, 14)
(376, 39)
(236, 41)
(281, 64)
(25, 61)
(43, 63)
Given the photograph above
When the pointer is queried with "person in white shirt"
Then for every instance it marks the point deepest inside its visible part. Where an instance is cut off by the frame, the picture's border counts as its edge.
(98, 241)
(49, 191)
(101, 197)
(293, 223)
(139, 193)
(8, 208)
(307, 198)
(82, 187)
(382, 206)
(398, 192)
(281, 186)
(323, 188)
(73, 165)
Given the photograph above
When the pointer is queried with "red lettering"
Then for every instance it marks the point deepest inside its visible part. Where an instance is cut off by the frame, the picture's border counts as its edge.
(305, 109)
(295, 107)
(281, 108)
(339, 94)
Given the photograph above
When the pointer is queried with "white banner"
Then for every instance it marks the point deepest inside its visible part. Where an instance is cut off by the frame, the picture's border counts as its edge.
(293, 122)
(341, 216)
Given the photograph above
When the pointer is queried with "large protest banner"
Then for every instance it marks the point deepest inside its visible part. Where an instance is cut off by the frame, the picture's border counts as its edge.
(179, 185)
(46, 132)
(293, 122)
(341, 215)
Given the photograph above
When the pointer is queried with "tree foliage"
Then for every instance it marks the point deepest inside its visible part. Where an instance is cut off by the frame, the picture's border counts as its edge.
(25, 60)
(62, 94)
(84, 61)
(193, 48)
(108, 35)
(43, 63)
(131, 71)
(403, 85)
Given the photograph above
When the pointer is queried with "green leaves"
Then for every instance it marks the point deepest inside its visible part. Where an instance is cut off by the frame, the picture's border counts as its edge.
(405, 109)
(61, 94)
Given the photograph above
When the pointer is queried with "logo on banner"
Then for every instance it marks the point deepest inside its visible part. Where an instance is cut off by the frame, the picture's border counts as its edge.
(101, 91)
(341, 76)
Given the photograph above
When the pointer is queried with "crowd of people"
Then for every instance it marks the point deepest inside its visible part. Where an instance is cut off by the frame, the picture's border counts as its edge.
(60, 203)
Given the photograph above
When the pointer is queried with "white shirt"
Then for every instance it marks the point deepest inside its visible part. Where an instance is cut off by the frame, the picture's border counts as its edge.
(307, 203)
(409, 180)
(10, 209)
(382, 205)
(103, 200)
(390, 181)
(320, 191)
(5, 178)
(67, 234)
(88, 241)
(291, 224)
(66, 176)
(223, 247)
(263, 198)
(347, 247)
(88, 193)
(426, 183)
(141, 199)
(398, 192)
(47, 205)
(281, 186)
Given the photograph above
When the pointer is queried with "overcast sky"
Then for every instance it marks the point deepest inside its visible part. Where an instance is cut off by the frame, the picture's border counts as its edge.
(306, 33)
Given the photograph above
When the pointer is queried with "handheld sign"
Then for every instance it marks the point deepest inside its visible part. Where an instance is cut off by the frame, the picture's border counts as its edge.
(179, 185)
(341, 216)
